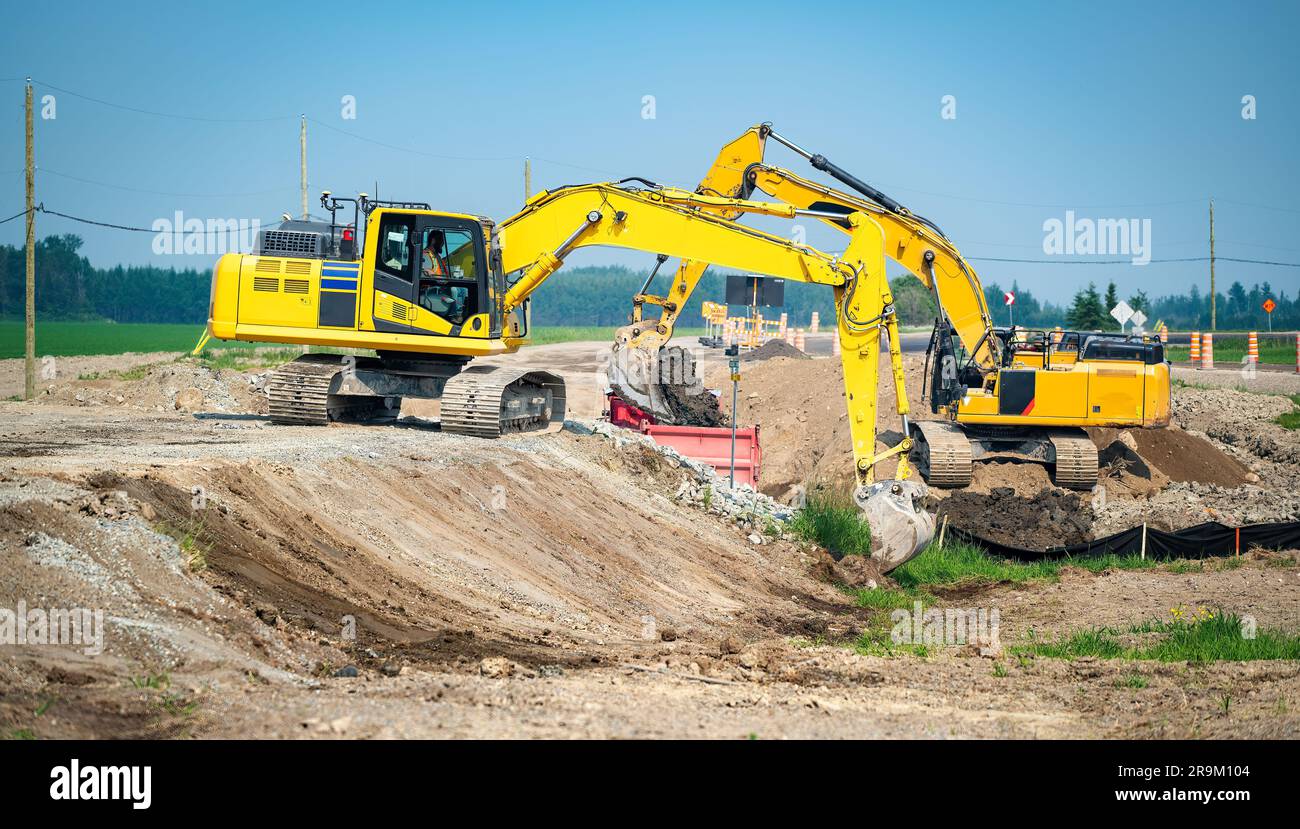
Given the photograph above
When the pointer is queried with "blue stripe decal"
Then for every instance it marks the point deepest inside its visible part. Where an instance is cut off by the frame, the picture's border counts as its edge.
(338, 272)
(333, 264)
(339, 284)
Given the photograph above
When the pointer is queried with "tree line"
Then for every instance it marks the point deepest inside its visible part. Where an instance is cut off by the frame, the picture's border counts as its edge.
(68, 287)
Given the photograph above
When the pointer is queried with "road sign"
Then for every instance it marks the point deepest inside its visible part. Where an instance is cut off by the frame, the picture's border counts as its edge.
(1269, 305)
(1138, 319)
(1009, 298)
(1122, 313)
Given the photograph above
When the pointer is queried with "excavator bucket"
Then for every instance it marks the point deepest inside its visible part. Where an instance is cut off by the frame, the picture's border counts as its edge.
(662, 382)
(900, 525)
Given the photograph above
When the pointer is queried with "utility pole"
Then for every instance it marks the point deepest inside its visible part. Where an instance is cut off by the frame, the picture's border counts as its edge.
(302, 157)
(30, 385)
(528, 179)
(1213, 318)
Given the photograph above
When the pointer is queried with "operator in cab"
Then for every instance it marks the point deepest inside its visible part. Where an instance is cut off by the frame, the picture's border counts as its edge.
(436, 294)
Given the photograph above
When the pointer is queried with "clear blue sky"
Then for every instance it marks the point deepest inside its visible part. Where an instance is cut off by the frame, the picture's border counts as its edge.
(1116, 110)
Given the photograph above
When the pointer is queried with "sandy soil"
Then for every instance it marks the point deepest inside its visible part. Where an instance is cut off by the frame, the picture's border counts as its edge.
(365, 581)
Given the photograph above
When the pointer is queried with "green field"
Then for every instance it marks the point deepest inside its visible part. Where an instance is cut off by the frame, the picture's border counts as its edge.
(65, 339)
(1231, 349)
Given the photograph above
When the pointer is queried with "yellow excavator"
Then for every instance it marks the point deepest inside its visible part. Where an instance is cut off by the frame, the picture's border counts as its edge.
(1002, 393)
(430, 290)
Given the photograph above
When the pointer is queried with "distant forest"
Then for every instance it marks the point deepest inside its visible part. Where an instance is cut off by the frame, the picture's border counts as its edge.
(68, 287)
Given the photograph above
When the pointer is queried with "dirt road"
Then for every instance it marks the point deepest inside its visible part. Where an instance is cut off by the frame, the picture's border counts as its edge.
(366, 581)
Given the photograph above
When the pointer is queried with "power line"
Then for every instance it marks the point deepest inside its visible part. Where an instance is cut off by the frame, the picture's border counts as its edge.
(112, 226)
(410, 150)
(47, 171)
(156, 114)
(15, 216)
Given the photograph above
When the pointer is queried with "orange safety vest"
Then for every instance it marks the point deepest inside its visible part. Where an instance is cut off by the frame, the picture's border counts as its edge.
(434, 266)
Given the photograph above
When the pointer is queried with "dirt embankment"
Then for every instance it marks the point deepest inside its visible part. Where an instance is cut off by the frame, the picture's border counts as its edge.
(1222, 459)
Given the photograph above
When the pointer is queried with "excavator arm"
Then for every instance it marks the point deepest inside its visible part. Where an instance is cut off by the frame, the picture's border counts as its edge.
(698, 228)
(739, 171)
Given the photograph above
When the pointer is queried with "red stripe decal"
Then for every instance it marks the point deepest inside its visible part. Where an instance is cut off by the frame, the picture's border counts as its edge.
(1030, 407)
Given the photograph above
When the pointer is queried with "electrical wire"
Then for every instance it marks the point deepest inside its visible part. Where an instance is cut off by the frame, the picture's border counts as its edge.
(41, 208)
(16, 215)
(156, 114)
(47, 171)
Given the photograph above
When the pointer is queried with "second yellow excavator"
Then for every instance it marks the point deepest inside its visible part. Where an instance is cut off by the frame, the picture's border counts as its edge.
(1001, 393)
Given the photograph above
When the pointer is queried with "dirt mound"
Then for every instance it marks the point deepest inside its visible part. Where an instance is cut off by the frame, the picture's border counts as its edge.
(775, 348)
(1051, 518)
(177, 385)
(1179, 455)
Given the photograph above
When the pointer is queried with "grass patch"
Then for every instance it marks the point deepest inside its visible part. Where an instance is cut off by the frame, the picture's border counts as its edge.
(955, 562)
(835, 523)
(189, 537)
(1291, 420)
(20, 734)
(1203, 638)
(1135, 681)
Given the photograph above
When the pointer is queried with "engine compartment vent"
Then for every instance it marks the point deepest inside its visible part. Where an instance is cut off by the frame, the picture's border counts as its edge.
(266, 283)
(296, 286)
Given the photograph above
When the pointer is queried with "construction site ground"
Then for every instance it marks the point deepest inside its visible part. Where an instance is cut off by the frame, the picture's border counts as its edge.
(368, 581)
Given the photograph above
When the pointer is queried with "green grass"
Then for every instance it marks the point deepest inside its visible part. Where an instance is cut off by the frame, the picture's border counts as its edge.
(1202, 639)
(955, 562)
(833, 522)
(1231, 350)
(66, 339)
(1291, 420)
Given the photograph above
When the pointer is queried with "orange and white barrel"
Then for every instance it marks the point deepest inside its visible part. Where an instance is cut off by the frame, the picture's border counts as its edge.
(799, 341)
(1196, 349)
(1164, 334)
(1057, 335)
(1252, 348)
(816, 323)
(1207, 350)
(835, 347)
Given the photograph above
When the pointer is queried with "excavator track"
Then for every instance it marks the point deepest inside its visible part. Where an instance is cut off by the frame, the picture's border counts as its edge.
(942, 452)
(489, 401)
(1076, 459)
(300, 394)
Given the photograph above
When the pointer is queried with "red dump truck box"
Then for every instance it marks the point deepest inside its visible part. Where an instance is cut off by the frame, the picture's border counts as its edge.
(706, 444)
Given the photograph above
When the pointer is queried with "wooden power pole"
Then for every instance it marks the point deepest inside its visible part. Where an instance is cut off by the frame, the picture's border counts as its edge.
(302, 165)
(1213, 298)
(528, 179)
(30, 385)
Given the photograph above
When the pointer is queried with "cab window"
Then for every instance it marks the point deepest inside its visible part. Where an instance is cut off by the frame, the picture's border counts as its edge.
(394, 247)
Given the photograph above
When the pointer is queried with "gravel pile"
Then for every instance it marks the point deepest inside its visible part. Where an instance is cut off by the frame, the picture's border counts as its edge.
(702, 486)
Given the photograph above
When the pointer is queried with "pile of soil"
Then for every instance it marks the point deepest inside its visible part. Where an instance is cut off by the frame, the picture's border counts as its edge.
(1052, 518)
(1181, 456)
(775, 348)
(174, 385)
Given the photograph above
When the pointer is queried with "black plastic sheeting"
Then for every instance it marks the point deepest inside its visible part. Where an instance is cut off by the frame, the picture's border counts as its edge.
(1202, 541)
